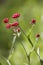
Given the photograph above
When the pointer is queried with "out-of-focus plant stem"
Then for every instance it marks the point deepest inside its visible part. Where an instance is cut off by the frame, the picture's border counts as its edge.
(29, 38)
(28, 56)
(12, 45)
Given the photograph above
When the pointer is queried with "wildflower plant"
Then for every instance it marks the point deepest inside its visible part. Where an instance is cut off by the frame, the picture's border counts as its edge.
(17, 31)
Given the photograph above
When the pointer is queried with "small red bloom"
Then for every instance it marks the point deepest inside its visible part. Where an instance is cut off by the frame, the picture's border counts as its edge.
(16, 15)
(8, 25)
(37, 35)
(15, 24)
(6, 20)
(18, 29)
(33, 21)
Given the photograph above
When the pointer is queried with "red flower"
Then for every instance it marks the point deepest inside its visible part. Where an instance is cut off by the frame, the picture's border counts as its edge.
(16, 15)
(33, 21)
(18, 29)
(15, 24)
(8, 26)
(6, 20)
(37, 35)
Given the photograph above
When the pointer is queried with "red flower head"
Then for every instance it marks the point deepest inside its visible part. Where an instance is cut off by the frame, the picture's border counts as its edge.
(6, 20)
(33, 21)
(15, 24)
(18, 29)
(37, 35)
(8, 26)
(16, 15)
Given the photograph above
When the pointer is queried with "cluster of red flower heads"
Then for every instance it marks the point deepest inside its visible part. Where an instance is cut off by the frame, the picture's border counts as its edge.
(15, 24)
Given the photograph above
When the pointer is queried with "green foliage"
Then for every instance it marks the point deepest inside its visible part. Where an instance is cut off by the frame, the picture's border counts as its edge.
(4, 61)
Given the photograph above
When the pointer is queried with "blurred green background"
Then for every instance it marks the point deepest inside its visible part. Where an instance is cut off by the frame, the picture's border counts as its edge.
(29, 9)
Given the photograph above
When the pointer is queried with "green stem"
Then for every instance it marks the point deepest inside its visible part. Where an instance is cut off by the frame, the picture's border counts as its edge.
(32, 45)
(28, 40)
(30, 30)
(12, 45)
(28, 56)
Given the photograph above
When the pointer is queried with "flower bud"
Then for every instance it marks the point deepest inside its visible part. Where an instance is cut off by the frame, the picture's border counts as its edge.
(16, 15)
(37, 35)
(33, 21)
(6, 20)
(15, 24)
(8, 26)
(18, 29)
